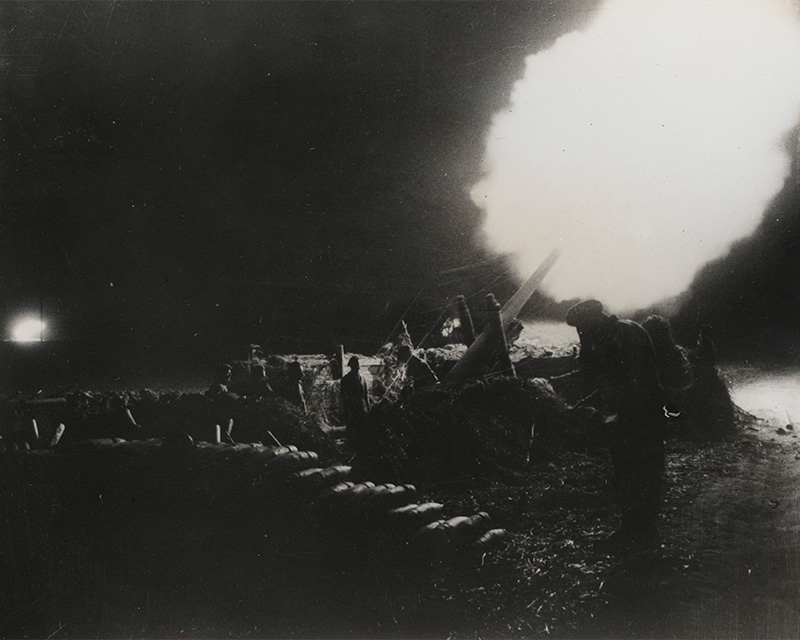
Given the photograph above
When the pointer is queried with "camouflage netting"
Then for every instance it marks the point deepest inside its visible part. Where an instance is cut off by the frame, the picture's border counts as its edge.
(482, 429)
(492, 428)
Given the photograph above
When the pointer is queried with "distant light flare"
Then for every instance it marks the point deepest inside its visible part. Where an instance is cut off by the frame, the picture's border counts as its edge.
(28, 330)
(644, 146)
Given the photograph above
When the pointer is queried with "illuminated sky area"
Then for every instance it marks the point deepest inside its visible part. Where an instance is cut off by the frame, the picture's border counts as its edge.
(644, 145)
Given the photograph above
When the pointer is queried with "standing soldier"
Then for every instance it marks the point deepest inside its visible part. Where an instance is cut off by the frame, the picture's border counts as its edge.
(618, 363)
(220, 405)
(709, 401)
(294, 382)
(674, 370)
(355, 399)
(258, 386)
(222, 380)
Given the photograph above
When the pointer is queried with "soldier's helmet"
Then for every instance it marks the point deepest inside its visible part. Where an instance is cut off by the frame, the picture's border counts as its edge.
(586, 314)
(658, 328)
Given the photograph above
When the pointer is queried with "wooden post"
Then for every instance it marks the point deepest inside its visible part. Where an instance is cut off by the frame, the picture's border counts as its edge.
(57, 435)
(130, 419)
(495, 322)
(465, 319)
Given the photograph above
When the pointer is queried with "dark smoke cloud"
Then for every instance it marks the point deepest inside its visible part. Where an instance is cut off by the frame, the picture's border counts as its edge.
(222, 172)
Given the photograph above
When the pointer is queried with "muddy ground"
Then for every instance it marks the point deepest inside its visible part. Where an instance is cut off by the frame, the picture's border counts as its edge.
(728, 566)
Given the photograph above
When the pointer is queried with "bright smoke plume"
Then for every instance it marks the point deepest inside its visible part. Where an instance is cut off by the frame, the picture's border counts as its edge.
(643, 146)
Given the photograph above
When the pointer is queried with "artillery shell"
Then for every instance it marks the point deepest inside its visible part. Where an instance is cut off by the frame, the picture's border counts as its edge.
(271, 452)
(388, 497)
(291, 461)
(333, 493)
(455, 522)
(334, 473)
(491, 539)
(408, 488)
(365, 497)
(435, 527)
(416, 514)
(432, 537)
(356, 493)
(346, 495)
(308, 475)
(398, 496)
(472, 525)
(317, 478)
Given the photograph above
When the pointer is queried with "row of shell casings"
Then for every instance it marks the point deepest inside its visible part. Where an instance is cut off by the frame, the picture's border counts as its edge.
(329, 492)
(458, 533)
(363, 497)
(420, 524)
(275, 461)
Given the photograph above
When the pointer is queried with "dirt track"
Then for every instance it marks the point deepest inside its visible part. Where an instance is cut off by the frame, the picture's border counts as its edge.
(748, 526)
(731, 561)
(729, 566)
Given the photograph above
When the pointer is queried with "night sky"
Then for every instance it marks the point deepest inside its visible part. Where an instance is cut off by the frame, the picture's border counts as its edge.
(226, 172)
(297, 174)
